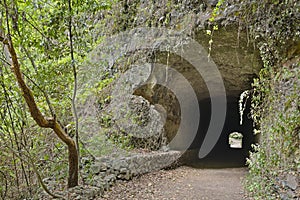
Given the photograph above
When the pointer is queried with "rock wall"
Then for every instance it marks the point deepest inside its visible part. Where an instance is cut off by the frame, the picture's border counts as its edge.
(104, 172)
(274, 165)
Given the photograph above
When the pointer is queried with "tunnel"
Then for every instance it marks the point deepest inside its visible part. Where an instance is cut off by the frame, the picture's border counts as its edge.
(223, 154)
(239, 63)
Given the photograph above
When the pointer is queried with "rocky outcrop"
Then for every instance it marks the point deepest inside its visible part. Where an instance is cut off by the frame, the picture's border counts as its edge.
(236, 59)
(287, 186)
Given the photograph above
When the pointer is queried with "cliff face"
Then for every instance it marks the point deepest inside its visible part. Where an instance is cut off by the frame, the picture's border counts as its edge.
(235, 58)
(255, 47)
(274, 166)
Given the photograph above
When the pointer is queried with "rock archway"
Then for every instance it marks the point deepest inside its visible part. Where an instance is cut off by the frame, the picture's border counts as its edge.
(239, 62)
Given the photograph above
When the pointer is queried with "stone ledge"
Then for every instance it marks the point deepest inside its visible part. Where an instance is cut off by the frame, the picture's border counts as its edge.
(107, 170)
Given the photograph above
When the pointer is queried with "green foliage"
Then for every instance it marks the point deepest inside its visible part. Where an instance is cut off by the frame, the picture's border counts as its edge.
(258, 182)
(275, 109)
(275, 96)
(39, 30)
(215, 13)
(106, 121)
(122, 140)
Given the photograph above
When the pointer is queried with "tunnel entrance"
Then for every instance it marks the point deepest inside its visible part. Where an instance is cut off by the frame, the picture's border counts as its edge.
(239, 63)
(234, 143)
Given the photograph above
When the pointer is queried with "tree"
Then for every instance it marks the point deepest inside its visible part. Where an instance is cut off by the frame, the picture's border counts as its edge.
(40, 119)
(44, 43)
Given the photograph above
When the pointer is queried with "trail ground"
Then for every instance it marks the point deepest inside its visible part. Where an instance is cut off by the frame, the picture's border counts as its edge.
(183, 183)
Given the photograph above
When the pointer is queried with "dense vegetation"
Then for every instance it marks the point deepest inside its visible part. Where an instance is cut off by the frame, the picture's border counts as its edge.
(44, 44)
(274, 26)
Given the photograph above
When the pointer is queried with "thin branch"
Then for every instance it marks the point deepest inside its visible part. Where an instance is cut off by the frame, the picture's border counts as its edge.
(3, 195)
(5, 61)
(31, 163)
(29, 98)
(45, 95)
(35, 68)
(36, 28)
(75, 80)
(3, 40)
(86, 149)
(29, 56)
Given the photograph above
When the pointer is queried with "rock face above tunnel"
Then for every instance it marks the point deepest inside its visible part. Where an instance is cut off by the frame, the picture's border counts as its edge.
(236, 58)
(237, 61)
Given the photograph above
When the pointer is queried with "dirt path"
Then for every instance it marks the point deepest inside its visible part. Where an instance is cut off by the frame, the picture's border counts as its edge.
(183, 183)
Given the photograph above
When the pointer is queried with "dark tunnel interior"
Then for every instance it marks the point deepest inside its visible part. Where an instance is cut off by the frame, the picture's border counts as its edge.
(222, 155)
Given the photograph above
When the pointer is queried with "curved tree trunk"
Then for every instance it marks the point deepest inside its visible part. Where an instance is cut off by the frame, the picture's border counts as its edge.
(40, 119)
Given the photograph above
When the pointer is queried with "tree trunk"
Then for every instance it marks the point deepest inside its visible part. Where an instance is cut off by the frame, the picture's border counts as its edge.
(40, 119)
(73, 166)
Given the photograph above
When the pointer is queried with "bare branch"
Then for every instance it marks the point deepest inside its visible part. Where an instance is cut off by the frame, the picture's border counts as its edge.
(31, 163)
(45, 95)
(36, 28)
(3, 195)
(3, 40)
(5, 61)
(75, 79)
